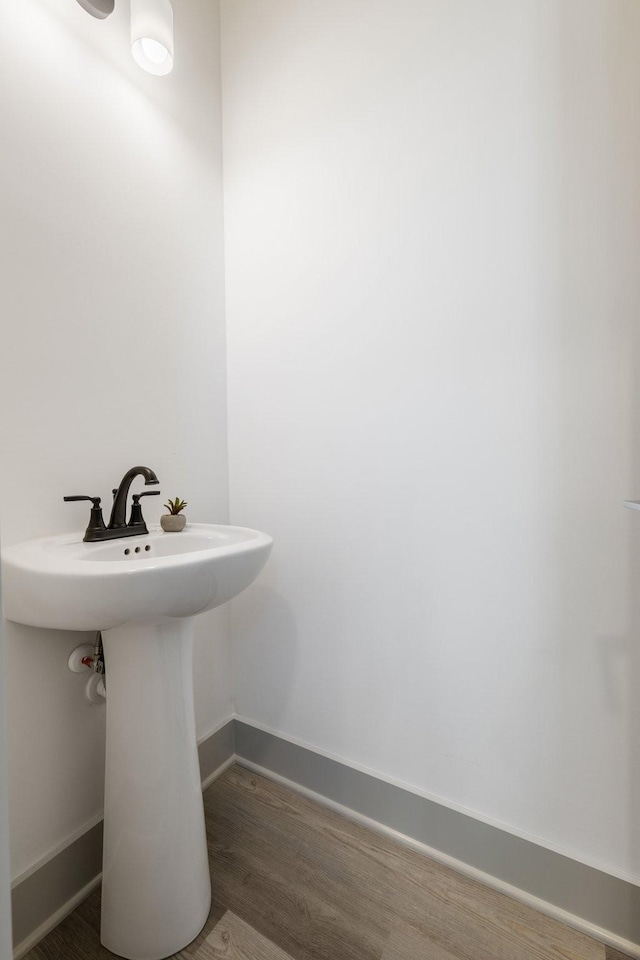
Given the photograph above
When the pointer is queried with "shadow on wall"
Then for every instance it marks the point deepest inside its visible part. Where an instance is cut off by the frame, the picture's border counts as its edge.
(598, 664)
(267, 635)
(5, 886)
(273, 655)
(628, 208)
(622, 39)
(621, 654)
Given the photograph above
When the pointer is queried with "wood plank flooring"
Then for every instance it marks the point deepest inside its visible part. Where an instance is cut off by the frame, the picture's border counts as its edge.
(233, 939)
(316, 886)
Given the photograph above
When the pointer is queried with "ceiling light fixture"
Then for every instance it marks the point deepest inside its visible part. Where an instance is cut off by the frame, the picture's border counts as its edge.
(152, 35)
(151, 31)
(98, 8)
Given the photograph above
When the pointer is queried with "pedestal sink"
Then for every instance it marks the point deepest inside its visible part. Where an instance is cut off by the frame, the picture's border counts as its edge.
(142, 593)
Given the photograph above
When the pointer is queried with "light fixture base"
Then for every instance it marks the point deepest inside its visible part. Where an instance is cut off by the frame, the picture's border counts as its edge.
(98, 8)
(152, 35)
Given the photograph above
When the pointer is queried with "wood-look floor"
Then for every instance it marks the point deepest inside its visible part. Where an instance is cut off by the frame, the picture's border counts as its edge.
(294, 881)
(234, 939)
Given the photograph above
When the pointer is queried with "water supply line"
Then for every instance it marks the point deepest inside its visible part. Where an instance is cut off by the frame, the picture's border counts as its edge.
(85, 658)
(95, 662)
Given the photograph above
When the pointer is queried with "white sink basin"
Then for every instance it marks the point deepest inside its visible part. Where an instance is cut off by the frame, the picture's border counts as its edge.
(62, 583)
(142, 593)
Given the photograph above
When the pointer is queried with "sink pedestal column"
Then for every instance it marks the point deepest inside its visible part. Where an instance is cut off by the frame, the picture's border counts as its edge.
(156, 891)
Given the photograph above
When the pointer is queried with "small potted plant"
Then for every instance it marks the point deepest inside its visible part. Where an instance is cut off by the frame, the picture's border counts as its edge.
(175, 520)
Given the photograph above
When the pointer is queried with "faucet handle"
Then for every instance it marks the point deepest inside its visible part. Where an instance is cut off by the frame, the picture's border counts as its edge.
(136, 519)
(96, 521)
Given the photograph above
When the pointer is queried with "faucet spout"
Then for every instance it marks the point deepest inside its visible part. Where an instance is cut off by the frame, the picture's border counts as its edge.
(119, 510)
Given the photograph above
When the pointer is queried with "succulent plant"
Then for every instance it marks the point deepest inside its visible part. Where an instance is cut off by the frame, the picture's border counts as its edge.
(175, 506)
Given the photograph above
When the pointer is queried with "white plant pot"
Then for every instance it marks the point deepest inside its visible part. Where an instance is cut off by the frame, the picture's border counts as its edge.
(173, 523)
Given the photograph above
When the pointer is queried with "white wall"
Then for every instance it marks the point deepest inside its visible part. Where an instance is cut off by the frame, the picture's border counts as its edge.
(113, 349)
(431, 229)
